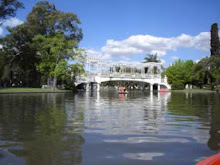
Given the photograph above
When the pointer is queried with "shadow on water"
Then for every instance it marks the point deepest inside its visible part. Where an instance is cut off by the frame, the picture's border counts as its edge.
(39, 129)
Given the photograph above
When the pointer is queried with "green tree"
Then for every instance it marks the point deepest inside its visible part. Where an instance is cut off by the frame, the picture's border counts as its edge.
(180, 71)
(18, 45)
(215, 67)
(215, 44)
(8, 8)
(44, 19)
(53, 51)
(151, 58)
(199, 73)
(207, 71)
(67, 73)
(2, 64)
(76, 70)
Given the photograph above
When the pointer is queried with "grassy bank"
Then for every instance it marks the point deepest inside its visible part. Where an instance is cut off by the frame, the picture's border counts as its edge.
(31, 90)
(194, 90)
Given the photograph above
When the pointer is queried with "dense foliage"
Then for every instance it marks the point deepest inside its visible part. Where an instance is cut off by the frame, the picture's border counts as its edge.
(215, 43)
(180, 71)
(33, 51)
(177, 85)
(8, 8)
(205, 72)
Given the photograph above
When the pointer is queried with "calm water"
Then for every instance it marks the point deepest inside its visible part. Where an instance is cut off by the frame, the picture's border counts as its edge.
(109, 129)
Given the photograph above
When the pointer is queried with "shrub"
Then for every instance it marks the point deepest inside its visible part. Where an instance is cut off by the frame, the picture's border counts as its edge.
(177, 86)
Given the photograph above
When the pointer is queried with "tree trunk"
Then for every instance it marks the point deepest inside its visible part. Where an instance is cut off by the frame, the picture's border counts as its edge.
(200, 86)
(48, 82)
(54, 82)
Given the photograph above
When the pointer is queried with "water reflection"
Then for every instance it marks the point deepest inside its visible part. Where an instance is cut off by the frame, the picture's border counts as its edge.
(214, 140)
(34, 131)
(112, 113)
(200, 111)
(108, 128)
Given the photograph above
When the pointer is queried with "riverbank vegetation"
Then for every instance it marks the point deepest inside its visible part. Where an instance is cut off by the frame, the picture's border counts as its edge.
(31, 90)
(203, 74)
(36, 52)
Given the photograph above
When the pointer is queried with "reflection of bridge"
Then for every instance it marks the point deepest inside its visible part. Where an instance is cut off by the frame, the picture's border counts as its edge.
(98, 72)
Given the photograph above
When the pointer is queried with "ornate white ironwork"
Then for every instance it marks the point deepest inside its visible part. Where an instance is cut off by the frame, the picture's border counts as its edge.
(99, 71)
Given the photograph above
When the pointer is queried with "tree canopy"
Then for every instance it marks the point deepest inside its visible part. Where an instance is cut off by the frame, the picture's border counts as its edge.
(214, 43)
(151, 58)
(46, 31)
(8, 8)
(53, 51)
(180, 71)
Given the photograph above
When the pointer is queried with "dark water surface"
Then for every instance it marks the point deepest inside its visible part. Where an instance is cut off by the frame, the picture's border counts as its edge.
(109, 129)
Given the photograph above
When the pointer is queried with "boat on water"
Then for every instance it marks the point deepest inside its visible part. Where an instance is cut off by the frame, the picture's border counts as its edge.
(212, 160)
(164, 90)
(122, 90)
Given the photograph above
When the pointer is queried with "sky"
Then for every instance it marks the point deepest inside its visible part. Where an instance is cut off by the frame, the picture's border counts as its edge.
(128, 30)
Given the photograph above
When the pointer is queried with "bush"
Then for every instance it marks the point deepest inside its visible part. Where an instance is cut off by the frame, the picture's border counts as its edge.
(177, 86)
(69, 85)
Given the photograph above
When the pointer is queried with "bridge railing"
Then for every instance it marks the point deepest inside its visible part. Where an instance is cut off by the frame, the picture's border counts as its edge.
(91, 77)
(129, 75)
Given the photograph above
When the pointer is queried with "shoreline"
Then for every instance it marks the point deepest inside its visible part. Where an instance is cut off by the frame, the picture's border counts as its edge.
(40, 90)
(31, 90)
(196, 90)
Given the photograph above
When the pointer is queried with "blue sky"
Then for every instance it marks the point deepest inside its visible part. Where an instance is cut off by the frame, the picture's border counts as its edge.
(127, 30)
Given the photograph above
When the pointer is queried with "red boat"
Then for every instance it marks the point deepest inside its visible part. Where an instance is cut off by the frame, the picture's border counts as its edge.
(164, 90)
(122, 90)
(212, 160)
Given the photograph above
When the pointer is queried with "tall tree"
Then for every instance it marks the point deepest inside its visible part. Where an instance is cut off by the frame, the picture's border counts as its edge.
(215, 43)
(44, 20)
(53, 51)
(8, 8)
(207, 71)
(2, 65)
(151, 58)
(199, 75)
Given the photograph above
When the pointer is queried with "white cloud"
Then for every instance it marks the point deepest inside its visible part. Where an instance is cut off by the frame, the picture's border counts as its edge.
(162, 61)
(92, 53)
(12, 22)
(196, 61)
(174, 58)
(1, 31)
(144, 44)
(97, 55)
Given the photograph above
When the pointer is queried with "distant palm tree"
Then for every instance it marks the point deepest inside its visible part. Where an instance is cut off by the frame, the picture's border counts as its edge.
(151, 58)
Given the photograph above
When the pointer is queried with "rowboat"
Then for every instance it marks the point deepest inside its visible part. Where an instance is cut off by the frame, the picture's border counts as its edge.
(212, 160)
(122, 90)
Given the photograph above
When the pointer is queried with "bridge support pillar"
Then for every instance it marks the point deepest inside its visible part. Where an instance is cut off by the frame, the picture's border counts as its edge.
(158, 87)
(87, 86)
(143, 86)
(98, 87)
(151, 87)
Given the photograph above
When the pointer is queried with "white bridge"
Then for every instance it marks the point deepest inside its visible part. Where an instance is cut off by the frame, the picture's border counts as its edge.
(98, 71)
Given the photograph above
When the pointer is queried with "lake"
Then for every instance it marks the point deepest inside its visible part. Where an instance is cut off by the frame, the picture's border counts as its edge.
(106, 128)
